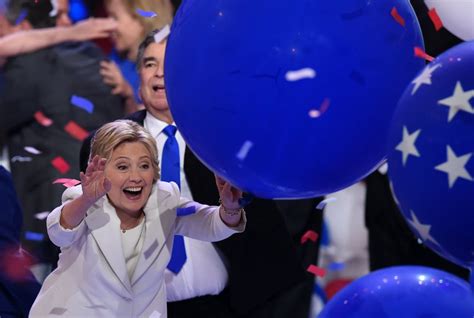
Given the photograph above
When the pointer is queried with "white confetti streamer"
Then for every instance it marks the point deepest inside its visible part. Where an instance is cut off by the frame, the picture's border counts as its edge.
(163, 34)
(383, 168)
(42, 215)
(32, 150)
(244, 150)
(21, 159)
(292, 76)
(54, 11)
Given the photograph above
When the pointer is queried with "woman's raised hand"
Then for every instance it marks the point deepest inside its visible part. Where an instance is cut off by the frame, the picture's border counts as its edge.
(94, 182)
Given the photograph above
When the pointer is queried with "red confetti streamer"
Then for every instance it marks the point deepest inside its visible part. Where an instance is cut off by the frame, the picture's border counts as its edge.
(15, 264)
(42, 119)
(309, 235)
(76, 131)
(68, 183)
(60, 164)
(397, 17)
(316, 271)
(420, 53)
(438, 24)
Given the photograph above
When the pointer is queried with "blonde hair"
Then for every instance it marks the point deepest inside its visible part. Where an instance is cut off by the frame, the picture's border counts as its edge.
(162, 8)
(111, 135)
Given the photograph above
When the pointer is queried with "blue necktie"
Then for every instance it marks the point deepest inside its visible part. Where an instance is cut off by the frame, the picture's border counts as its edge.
(170, 171)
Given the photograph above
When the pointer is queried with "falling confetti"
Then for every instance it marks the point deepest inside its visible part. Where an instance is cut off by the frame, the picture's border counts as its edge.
(68, 183)
(419, 52)
(316, 271)
(83, 103)
(244, 150)
(397, 16)
(32, 150)
(33, 236)
(304, 73)
(163, 34)
(309, 235)
(336, 266)
(438, 24)
(76, 131)
(185, 211)
(15, 263)
(146, 14)
(323, 203)
(315, 113)
(60, 164)
(42, 119)
(54, 11)
(21, 159)
(22, 16)
(42, 215)
(383, 168)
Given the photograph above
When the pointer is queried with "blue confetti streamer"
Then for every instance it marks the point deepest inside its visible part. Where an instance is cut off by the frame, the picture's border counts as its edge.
(33, 236)
(22, 16)
(185, 211)
(146, 14)
(336, 266)
(83, 103)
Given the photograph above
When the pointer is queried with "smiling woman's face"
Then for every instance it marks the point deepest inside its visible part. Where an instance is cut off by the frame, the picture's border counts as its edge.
(131, 174)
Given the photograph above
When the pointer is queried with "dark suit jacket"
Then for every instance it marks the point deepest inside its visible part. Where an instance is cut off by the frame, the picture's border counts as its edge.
(45, 81)
(391, 242)
(16, 297)
(264, 260)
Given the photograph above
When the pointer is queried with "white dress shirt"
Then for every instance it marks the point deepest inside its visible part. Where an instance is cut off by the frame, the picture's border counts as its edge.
(203, 259)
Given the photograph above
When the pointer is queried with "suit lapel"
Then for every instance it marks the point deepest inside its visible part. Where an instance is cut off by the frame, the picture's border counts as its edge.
(105, 228)
(160, 214)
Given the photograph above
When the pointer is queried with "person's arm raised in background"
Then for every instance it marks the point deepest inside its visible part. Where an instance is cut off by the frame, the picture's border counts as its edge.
(31, 40)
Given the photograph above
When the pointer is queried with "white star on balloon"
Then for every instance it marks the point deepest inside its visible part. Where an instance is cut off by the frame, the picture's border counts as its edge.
(423, 230)
(458, 101)
(424, 77)
(407, 145)
(455, 166)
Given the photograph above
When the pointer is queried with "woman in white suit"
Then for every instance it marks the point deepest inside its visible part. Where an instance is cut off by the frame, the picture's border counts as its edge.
(116, 230)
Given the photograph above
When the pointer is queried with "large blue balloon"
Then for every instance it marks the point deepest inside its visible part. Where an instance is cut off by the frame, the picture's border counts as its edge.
(287, 98)
(430, 160)
(403, 291)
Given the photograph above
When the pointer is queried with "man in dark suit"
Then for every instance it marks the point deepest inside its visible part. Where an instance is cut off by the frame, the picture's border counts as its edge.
(51, 99)
(264, 265)
(16, 295)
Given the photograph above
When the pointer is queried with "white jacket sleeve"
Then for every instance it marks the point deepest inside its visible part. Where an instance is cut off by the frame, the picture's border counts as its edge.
(60, 236)
(203, 222)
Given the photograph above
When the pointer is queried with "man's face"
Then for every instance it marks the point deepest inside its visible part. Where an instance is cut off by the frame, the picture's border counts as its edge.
(152, 80)
(62, 17)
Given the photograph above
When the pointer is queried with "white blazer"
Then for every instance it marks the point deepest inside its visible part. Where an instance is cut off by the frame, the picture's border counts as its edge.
(91, 279)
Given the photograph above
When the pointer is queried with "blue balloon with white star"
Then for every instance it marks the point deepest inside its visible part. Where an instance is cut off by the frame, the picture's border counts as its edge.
(290, 99)
(431, 164)
(403, 291)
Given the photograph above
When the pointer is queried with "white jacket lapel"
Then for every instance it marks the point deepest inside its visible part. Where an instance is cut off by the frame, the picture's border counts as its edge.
(160, 214)
(105, 227)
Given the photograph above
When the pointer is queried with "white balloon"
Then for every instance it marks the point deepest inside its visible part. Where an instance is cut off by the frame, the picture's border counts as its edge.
(457, 16)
